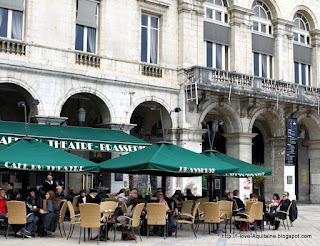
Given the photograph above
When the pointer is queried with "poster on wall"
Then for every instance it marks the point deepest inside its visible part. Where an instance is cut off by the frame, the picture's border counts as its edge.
(292, 142)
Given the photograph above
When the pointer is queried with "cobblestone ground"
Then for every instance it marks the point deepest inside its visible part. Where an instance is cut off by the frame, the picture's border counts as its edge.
(305, 231)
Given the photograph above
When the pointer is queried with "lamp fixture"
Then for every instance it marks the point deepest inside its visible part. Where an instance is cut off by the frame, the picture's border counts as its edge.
(22, 104)
(82, 115)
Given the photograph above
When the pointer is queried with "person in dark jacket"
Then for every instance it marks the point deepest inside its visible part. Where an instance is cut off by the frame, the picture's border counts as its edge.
(240, 203)
(9, 191)
(34, 199)
(84, 198)
(101, 194)
(50, 218)
(49, 185)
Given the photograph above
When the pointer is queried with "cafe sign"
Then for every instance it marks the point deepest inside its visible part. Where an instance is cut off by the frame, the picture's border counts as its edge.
(78, 145)
(35, 167)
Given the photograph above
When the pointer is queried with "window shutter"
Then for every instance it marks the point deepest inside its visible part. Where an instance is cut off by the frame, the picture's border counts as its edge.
(12, 4)
(216, 33)
(87, 11)
(262, 44)
(302, 54)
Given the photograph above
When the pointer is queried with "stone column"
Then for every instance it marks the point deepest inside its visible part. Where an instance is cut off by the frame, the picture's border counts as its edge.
(190, 139)
(240, 39)
(315, 42)
(239, 145)
(314, 156)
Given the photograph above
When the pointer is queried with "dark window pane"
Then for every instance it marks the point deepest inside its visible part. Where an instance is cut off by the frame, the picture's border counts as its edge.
(3, 22)
(153, 46)
(144, 44)
(295, 36)
(256, 64)
(209, 13)
(144, 20)
(209, 54)
(303, 74)
(302, 39)
(219, 2)
(264, 68)
(296, 73)
(91, 40)
(226, 58)
(263, 28)
(16, 29)
(218, 16)
(79, 37)
(154, 22)
(255, 26)
(218, 56)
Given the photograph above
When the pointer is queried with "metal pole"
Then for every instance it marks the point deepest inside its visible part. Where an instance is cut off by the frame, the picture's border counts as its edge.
(25, 119)
(167, 126)
(28, 124)
(162, 123)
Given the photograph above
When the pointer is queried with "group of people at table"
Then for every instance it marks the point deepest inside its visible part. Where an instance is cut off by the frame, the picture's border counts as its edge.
(49, 218)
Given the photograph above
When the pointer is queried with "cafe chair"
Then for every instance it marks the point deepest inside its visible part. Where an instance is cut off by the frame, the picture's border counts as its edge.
(226, 208)
(73, 217)
(248, 205)
(212, 215)
(74, 204)
(248, 217)
(186, 209)
(156, 216)
(90, 218)
(285, 215)
(202, 200)
(61, 218)
(108, 208)
(200, 216)
(189, 219)
(44, 204)
(17, 215)
(259, 216)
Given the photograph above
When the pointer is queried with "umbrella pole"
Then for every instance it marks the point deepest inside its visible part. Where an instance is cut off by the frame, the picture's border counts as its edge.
(163, 184)
(210, 188)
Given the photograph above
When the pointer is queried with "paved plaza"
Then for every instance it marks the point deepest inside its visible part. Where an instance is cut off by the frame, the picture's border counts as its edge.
(305, 231)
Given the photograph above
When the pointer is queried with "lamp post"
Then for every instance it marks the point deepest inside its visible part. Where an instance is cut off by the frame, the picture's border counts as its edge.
(22, 104)
(82, 115)
(211, 135)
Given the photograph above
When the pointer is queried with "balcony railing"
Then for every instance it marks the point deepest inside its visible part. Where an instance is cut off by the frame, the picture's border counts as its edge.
(150, 70)
(12, 46)
(87, 59)
(248, 85)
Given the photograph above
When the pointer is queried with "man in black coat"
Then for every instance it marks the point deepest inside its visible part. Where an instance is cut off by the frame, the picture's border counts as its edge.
(49, 185)
(84, 198)
(101, 194)
(240, 203)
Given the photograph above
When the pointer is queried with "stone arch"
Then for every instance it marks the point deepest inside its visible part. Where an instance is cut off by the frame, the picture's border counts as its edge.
(62, 100)
(273, 6)
(307, 12)
(39, 109)
(149, 99)
(312, 123)
(232, 122)
(275, 123)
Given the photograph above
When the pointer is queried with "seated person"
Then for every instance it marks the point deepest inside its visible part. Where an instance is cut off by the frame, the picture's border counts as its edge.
(70, 195)
(168, 202)
(84, 198)
(189, 195)
(60, 194)
(123, 195)
(31, 218)
(3, 208)
(274, 203)
(101, 194)
(34, 199)
(50, 217)
(177, 199)
(240, 203)
(253, 197)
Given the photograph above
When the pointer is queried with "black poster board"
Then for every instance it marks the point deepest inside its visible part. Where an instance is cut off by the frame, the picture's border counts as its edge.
(292, 142)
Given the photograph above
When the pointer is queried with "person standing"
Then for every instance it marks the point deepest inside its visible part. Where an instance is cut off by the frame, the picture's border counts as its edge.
(49, 185)
(9, 191)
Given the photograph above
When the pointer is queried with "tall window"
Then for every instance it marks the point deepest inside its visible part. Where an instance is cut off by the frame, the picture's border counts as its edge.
(11, 22)
(301, 30)
(217, 56)
(217, 11)
(149, 38)
(262, 65)
(86, 27)
(262, 18)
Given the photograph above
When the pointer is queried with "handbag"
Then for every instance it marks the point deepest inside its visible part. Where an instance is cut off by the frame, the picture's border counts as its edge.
(243, 227)
(128, 236)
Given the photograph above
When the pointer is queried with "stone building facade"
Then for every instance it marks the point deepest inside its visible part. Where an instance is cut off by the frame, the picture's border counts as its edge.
(252, 64)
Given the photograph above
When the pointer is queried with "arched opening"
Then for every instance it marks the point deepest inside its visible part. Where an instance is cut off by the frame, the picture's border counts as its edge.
(258, 159)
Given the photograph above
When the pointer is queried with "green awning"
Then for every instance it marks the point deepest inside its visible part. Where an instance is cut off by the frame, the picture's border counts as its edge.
(33, 155)
(73, 138)
(245, 169)
(166, 159)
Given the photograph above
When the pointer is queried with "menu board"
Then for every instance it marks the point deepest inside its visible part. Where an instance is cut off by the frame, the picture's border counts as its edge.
(292, 142)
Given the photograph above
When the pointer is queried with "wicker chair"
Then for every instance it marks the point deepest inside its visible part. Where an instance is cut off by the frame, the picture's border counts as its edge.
(90, 218)
(287, 216)
(212, 215)
(189, 219)
(250, 216)
(73, 221)
(156, 216)
(124, 207)
(248, 205)
(108, 206)
(44, 204)
(61, 217)
(17, 215)
(200, 216)
(202, 200)
(226, 208)
(74, 204)
(259, 216)
(186, 209)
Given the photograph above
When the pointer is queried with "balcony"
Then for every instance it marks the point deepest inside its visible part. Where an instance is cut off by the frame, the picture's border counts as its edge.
(232, 83)
(12, 46)
(149, 70)
(87, 59)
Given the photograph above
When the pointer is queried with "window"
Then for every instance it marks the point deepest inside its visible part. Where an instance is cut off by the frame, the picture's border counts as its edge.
(262, 65)
(262, 18)
(217, 56)
(11, 22)
(149, 38)
(302, 74)
(301, 30)
(217, 11)
(86, 27)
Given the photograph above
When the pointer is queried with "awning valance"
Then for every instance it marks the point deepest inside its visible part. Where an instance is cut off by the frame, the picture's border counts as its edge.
(73, 138)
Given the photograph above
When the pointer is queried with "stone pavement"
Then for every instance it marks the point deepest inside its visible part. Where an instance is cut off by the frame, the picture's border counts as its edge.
(305, 231)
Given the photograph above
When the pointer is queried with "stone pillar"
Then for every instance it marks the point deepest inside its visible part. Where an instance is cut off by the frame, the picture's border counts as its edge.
(239, 145)
(315, 42)
(192, 140)
(240, 39)
(314, 156)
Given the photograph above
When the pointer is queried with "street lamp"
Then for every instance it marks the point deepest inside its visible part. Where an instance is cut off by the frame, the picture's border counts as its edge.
(211, 134)
(165, 132)
(22, 104)
(82, 115)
